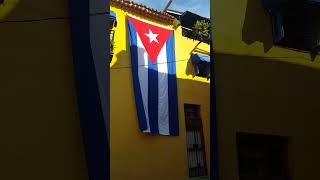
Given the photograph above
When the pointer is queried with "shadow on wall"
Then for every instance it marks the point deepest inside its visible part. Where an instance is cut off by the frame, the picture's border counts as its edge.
(287, 90)
(121, 56)
(190, 68)
(269, 96)
(257, 25)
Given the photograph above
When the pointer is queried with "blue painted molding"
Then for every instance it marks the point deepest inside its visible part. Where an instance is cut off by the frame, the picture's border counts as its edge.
(214, 124)
(89, 35)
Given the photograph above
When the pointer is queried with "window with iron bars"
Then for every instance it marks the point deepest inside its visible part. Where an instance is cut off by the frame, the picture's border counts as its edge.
(295, 24)
(111, 44)
(187, 32)
(263, 157)
(195, 142)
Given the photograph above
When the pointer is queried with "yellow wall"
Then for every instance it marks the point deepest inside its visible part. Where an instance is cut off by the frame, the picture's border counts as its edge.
(135, 155)
(262, 88)
(39, 130)
(244, 28)
(6, 7)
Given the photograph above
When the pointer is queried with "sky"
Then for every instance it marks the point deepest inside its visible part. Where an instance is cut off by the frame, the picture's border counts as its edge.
(201, 7)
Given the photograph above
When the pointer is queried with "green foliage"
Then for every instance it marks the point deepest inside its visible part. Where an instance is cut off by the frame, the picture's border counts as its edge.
(176, 22)
(200, 30)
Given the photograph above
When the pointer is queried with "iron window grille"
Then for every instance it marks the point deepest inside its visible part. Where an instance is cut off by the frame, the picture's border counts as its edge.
(295, 24)
(195, 142)
(262, 157)
(112, 32)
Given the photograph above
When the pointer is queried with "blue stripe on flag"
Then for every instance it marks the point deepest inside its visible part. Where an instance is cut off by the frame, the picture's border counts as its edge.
(136, 84)
(172, 88)
(151, 119)
(153, 96)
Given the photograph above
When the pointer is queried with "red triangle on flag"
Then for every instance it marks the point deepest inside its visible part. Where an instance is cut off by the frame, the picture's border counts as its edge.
(153, 37)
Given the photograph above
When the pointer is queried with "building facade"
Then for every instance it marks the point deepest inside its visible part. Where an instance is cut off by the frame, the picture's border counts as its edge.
(45, 132)
(53, 91)
(266, 88)
(135, 155)
(40, 128)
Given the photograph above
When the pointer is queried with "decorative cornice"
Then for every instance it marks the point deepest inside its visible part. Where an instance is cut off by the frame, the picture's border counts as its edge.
(143, 10)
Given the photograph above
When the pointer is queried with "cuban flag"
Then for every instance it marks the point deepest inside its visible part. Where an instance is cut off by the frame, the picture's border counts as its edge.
(154, 77)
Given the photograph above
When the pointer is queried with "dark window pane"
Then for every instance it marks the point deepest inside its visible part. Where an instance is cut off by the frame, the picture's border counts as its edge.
(195, 143)
(262, 157)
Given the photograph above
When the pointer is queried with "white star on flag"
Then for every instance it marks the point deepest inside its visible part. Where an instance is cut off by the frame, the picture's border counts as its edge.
(152, 37)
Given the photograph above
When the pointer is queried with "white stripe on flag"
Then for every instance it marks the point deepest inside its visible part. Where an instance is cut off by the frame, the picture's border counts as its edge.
(163, 111)
(143, 77)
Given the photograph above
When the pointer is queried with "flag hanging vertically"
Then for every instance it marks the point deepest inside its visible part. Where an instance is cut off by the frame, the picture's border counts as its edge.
(154, 77)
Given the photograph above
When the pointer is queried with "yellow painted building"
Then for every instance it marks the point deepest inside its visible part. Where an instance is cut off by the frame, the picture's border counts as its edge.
(40, 131)
(263, 88)
(135, 155)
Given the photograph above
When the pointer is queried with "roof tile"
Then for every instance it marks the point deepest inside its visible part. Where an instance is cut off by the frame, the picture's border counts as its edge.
(143, 10)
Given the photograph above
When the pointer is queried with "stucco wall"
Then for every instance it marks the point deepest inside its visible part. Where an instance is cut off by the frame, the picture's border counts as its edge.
(135, 155)
(39, 130)
(262, 88)
(262, 96)
(244, 28)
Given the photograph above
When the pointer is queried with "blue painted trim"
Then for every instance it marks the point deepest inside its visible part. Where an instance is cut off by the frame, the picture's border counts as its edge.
(200, 57)
(113, 16)
(92, 119)
(214, 175)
